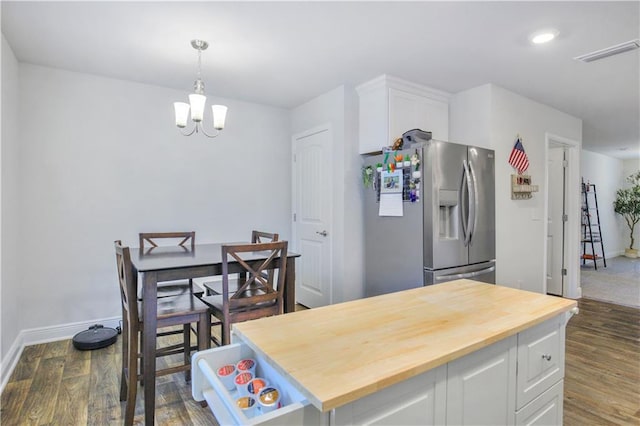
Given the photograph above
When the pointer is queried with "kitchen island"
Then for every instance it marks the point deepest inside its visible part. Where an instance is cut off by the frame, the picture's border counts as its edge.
(461, 352)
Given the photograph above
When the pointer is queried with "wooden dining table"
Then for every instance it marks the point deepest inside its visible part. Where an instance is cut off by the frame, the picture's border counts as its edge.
(167, 263)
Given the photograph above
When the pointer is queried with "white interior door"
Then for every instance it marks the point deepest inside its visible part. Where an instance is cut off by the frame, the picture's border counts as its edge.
(311, 216)
(555, 222)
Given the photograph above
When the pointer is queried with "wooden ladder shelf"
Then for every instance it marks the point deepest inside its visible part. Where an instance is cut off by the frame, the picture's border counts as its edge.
(591, 230)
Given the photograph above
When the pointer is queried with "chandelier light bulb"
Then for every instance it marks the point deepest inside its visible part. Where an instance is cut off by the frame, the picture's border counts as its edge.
(219, 116)
(197, 106)
(182, 113)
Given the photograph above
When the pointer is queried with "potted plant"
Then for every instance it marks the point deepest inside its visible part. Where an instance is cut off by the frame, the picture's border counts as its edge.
(367, 176)
(627, 204)
(398, 159)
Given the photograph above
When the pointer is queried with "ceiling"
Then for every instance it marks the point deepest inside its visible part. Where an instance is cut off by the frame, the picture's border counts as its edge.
(286, 53)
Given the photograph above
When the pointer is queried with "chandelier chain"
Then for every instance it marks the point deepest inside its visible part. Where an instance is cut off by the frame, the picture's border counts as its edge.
(199, 63)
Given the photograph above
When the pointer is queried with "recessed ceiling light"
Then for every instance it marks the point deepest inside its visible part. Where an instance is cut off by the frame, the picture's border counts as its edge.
(543, 36)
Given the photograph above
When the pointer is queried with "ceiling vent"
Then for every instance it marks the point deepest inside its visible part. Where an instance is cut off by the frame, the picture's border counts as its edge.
(609, 51)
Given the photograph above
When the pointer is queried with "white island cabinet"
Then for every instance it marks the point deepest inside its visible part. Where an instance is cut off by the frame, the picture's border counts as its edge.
(457, 353)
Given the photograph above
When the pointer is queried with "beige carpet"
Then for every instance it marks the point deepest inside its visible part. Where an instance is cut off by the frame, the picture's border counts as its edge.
(618, 283)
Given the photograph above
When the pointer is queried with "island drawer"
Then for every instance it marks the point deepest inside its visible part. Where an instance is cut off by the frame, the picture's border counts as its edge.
(544, 410)
(540, 359)
(206, 385)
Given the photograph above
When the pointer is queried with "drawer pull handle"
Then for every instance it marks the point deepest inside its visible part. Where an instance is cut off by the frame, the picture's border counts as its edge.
(546, 357)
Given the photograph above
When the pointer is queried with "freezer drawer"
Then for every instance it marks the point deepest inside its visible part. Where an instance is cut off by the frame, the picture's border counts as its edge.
(205, 385)
(484, 272)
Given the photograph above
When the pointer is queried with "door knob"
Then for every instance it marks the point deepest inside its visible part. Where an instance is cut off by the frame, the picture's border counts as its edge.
(323, 233)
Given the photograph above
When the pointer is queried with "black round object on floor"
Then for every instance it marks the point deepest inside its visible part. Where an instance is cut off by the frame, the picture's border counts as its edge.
(96, 337)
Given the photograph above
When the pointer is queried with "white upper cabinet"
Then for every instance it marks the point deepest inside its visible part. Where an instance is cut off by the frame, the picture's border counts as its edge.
(390, 106)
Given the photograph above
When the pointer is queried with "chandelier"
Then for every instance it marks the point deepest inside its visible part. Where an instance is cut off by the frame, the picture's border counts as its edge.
(196, 103)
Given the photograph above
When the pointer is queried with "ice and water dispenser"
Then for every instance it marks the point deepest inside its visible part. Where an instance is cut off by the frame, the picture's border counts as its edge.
(448, 214)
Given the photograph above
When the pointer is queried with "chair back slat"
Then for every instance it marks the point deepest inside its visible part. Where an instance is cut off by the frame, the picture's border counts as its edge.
(150, 238)
(263, 237)
(261, 271)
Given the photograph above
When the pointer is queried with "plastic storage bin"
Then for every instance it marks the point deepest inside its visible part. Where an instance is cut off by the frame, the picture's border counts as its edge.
(205, 385)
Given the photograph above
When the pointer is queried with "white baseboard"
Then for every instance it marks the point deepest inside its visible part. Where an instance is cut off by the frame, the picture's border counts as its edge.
(64, 331)
(10, 360)
(578, 293)
(35, 336)
(615, 254)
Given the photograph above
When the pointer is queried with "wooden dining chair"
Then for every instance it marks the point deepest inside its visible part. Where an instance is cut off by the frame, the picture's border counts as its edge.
(259, 294)
(186, 240)
(172, 310)
(212, 287)
(263, 237)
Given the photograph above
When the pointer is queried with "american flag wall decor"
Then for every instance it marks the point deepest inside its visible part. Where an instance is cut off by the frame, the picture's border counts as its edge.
(518, 158)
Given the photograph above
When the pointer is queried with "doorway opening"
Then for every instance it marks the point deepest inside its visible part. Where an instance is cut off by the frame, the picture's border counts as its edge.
(312, 222)
(562, 212)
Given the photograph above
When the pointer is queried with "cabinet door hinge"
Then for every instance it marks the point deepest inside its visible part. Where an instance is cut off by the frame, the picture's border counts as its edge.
(565, 218)
(565, 163)
(294, 217)
(564, 271)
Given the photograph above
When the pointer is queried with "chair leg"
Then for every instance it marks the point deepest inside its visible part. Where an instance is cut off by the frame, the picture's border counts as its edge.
(204, 331)
(186, 333)
(132, 378)
(226, 331)
(125, 359)
(141, 365)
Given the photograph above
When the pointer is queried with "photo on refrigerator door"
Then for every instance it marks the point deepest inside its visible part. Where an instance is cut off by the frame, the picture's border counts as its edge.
(391, 182)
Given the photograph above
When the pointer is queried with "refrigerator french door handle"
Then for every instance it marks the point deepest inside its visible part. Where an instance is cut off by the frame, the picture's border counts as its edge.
(473, 206)
(468, 213)
(463, 213)
(465, 275)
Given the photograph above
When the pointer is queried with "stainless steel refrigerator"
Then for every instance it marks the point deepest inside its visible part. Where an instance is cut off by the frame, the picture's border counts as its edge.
(447, 233)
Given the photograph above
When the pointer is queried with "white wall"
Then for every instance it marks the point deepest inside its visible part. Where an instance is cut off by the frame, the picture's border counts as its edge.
(630, 167)
(102, 160)
(353, 202)
(519, 224)
(10, 290)
(338, 107)
(607, 174)
(470, 117)
(520, 234)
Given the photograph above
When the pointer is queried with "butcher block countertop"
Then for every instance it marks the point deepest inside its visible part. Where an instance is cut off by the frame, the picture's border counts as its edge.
(340, 353)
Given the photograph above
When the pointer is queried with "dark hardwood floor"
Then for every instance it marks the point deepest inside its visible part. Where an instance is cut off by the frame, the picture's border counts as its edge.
(54, 384)
(602, 372)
